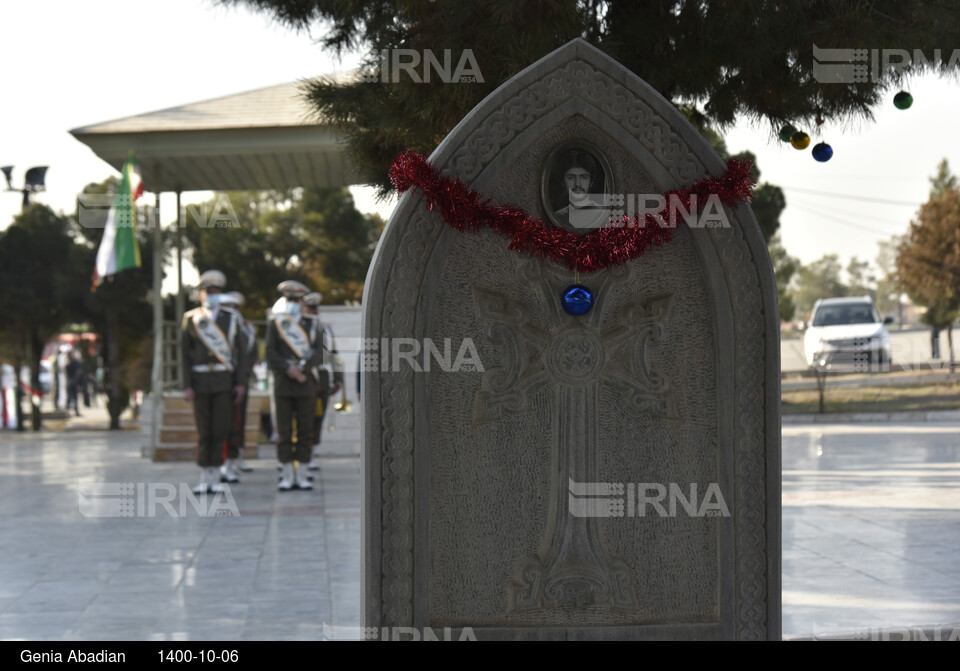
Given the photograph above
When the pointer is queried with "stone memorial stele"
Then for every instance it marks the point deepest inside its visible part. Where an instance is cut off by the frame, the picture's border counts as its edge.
(534, 474)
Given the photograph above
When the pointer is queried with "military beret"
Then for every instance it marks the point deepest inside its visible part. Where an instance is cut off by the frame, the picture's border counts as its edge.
(292, 289)
(233, 298)
(212, 278)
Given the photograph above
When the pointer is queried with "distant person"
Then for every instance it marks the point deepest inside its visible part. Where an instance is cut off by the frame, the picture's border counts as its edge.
(98, 379)
(60, 382)
(235, 464)
(88, 381)
(213, 347)
(294, 348)
(76, 379)
(329, 374)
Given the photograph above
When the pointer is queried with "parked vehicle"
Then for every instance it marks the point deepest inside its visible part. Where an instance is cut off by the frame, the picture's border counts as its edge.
(847, 333)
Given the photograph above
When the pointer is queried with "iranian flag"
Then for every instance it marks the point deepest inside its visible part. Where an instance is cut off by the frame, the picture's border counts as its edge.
(118, 248)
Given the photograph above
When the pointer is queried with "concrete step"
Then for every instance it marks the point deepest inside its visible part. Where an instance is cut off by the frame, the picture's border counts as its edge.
(170, 454)
(177, 418)
(177, 437)
(182, 434)
(182, 451)
(186, 414)
(253, 424)
(175, 452)
(177, 403)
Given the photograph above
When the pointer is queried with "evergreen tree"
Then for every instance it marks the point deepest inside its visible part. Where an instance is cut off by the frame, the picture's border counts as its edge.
(820, 279)
(784, 268)
(768, 201)
(315, 236)
(727, 60)
(860, 279)
(889, 286)
(942, 181)
(40, 271)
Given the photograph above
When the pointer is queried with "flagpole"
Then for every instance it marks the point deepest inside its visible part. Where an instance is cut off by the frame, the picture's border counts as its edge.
(156, 380)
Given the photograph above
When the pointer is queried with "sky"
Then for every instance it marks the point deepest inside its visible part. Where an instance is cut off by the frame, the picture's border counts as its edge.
(874, 184)
(71, 64)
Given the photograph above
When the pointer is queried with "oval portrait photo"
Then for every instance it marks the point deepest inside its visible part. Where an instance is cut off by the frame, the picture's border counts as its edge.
(575, 187)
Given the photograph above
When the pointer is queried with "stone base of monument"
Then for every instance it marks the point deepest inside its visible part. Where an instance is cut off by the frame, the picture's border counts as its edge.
(54, 420)
(177, 438)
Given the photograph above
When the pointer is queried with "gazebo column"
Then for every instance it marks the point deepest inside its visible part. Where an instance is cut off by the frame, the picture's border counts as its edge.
(180, 297)
(156, 378)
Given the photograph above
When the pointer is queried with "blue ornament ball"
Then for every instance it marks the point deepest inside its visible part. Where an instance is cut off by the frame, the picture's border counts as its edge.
(577, 300)
(822, 152)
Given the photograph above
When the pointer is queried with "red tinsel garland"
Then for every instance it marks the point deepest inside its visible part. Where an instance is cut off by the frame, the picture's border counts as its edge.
(467, 210)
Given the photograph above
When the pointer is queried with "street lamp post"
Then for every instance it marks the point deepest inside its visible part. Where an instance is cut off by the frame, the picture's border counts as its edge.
(32, 181)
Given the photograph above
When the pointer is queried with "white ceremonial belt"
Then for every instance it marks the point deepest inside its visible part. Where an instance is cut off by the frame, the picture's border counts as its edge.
(210, 368)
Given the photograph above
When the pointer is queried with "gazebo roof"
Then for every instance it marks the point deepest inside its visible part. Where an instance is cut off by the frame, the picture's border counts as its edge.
(269, 138)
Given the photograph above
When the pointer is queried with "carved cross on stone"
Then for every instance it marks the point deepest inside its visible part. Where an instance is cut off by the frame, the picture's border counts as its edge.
(572, 357)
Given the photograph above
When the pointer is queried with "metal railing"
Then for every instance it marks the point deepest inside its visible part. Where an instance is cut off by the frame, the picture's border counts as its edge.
(172, 373)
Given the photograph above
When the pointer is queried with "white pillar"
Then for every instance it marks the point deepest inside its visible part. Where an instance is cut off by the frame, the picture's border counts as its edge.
(156, 378)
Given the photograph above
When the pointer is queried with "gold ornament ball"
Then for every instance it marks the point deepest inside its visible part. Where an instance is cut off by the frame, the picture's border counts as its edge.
(800, 140)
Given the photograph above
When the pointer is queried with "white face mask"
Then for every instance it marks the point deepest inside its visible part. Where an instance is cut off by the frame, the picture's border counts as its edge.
(212, 301)
(293, 309)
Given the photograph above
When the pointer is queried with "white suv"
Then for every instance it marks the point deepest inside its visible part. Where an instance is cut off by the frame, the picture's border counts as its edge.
(847, 332)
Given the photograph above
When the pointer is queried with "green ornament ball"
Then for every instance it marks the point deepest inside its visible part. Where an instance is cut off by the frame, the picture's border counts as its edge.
(787, 132)
(800, 140)
(902, 100)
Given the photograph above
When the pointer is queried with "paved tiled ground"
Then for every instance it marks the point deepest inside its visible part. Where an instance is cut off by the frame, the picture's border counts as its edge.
(871, 528)
(281, 569)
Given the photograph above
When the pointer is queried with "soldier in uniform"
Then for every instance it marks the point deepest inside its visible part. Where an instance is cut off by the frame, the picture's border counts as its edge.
(234, 465)
(213, 347)
(329, 374)
(293, 350)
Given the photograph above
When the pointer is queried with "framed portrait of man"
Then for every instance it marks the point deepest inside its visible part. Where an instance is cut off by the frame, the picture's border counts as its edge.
(576, 184)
